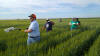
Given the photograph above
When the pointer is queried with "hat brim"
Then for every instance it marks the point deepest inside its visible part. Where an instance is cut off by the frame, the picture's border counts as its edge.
(29, 16)
(47, 20)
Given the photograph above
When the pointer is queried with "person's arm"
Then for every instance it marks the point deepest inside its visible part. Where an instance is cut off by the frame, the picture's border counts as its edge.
(31, 28)
(28, 30)
(78, 23)
(52, 22)
(43, 28)
(70, 23)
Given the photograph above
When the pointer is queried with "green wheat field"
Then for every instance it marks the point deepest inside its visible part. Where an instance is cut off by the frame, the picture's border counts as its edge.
(59, 42)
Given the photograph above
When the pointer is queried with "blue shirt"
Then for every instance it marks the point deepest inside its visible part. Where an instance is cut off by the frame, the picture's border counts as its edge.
(34, 26)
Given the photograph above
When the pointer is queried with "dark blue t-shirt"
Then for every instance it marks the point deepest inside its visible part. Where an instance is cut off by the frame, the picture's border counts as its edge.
(48, 26)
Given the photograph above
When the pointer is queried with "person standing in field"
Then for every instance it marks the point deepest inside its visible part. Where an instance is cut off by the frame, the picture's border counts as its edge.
(74, 24)
(48, 25)
(33, 30)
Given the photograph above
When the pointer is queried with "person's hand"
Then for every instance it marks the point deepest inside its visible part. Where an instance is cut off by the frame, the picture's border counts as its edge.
(25, 30)
(43, 28)
(70, 24)
(28, 30)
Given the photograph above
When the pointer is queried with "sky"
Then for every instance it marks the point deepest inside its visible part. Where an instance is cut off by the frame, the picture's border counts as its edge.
(21, 9)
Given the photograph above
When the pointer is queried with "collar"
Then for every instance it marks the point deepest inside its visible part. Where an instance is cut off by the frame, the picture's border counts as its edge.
(48, 21)
(33, 20)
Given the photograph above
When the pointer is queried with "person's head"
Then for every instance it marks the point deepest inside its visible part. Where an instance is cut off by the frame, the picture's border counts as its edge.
(47, 20)
(32, 17)
(74, 19)
(77, 19)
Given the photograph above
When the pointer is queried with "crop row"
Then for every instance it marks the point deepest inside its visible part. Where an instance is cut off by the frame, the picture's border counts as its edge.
(74, 46)
(95, 49)
(43, 47)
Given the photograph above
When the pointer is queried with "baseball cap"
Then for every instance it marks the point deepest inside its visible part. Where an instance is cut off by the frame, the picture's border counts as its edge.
(47, 19)
(32, 15)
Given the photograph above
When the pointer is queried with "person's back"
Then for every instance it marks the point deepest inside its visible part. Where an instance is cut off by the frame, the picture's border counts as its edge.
(48, 26)
(74, 23)
(74, 26)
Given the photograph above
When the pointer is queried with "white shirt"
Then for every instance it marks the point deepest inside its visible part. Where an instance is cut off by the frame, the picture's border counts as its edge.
(34, 26)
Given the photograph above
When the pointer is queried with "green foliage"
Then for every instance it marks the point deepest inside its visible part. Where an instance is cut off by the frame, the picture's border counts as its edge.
(59, 42)
(95, 49)
(74, 46)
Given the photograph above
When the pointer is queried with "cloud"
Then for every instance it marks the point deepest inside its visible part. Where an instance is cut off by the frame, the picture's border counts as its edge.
(43, 6)
(43, 3)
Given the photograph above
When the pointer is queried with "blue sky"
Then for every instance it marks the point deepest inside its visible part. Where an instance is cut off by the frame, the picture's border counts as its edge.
(20, 9)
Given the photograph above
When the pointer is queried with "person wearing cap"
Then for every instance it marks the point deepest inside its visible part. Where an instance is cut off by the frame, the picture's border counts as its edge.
(74, 23)
(33, 30)
(48, 25)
